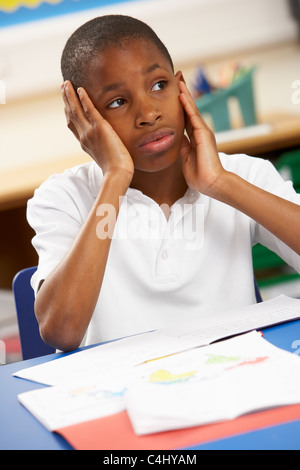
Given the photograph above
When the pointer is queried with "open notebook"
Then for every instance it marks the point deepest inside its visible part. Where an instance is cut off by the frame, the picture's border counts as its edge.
(204, 385)
(192, 385)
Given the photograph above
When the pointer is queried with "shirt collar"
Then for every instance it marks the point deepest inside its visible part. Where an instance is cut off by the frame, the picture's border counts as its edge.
(96, 176)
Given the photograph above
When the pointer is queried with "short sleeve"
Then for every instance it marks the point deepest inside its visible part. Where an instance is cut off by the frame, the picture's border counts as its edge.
(56, 213)
(263, 174)
(275, 184)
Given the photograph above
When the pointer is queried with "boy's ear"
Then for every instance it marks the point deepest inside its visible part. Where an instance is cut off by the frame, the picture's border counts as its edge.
(179, 77)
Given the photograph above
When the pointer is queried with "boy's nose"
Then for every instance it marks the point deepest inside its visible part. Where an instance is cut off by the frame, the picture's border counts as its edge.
(148, 113)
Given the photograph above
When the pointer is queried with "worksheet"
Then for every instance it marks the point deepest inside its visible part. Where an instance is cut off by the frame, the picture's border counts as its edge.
(111, 358)
(76, 401)
(211, 384)
(119, 356)
(203, 385)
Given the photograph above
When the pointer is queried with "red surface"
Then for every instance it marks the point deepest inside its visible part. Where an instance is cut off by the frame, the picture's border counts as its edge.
(115, 432)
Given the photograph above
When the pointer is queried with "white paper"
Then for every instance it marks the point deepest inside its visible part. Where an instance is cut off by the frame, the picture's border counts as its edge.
(118, 357)
(240, 320)
(214, 383)
(75, 402)
(107, 359)
(199, 386)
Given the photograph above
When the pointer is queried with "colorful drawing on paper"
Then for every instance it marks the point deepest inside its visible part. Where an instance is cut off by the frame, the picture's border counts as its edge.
(14, 12)
(165, 377)
(212, 366)
(213, 359)
(96, 392)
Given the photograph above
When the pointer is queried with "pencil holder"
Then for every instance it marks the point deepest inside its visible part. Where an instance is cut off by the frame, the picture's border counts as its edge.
(216, 103)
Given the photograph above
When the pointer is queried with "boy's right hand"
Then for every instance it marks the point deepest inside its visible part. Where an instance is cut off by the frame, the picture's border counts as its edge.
(95, 134)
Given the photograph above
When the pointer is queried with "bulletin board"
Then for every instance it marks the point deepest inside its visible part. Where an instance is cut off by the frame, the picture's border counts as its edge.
(15, 12)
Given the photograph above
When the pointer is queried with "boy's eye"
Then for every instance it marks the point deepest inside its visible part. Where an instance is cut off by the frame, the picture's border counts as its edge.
(117, 103)
(161, 85)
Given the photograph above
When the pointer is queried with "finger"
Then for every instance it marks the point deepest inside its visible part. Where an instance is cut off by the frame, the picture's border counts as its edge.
(190, 107)
(68, 112)
(189, 104)
(65, 100)
(196, 127)
(185, 148)
(73, 108)
(95, 119)
(90, 111)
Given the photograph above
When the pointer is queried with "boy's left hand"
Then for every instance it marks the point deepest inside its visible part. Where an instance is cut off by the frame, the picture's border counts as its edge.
(203, 172)
(201, 165)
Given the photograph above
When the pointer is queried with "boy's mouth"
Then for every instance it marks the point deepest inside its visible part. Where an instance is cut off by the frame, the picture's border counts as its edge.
(157, 142)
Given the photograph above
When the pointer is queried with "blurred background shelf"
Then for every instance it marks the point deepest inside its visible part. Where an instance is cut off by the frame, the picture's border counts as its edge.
(282, 131)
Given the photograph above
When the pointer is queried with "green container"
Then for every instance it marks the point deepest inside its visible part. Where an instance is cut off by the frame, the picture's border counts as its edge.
(288, 164)
(216, 103)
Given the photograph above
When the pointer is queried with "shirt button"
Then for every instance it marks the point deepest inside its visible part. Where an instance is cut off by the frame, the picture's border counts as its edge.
(164, 255)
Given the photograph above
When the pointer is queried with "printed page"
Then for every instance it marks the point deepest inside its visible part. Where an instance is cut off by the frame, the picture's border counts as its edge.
(210, 384)
(111, 358)
(203, 385)
(181, 335)
(75, 402)
(240, 320)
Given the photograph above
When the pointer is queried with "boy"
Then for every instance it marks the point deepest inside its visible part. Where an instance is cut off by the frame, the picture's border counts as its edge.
(158, 225)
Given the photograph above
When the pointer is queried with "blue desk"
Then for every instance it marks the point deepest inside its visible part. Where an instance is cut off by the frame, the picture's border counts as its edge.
(20, 430)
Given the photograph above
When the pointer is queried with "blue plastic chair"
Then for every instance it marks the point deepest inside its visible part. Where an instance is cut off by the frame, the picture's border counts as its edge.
(32, 344)
(257, 292)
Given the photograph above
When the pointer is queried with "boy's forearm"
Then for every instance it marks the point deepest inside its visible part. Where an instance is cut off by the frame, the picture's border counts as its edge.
(279, 216)
(66, 300)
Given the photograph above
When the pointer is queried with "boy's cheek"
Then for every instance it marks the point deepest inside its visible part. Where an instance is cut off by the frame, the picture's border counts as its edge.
(114, 124)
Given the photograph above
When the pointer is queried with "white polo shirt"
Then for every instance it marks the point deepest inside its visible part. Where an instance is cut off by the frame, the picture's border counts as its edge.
(198, 261)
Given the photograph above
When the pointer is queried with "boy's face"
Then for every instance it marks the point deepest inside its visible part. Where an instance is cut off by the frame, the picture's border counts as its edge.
(135, 90)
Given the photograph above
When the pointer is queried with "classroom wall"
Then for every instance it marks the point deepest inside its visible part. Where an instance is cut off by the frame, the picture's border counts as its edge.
(196, 31)
(193, 30)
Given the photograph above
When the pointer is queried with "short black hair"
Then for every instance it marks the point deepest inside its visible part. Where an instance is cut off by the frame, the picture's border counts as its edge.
(98, 33)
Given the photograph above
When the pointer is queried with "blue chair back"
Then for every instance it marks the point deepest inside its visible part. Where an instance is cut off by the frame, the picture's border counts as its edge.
(257, 292)
(32, 344)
